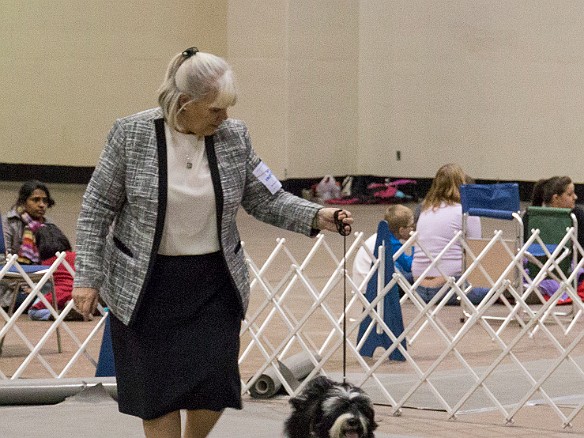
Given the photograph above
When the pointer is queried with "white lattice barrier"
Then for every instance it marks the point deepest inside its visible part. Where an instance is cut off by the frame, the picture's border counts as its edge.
(30, 348)
(480, 363)
(534, 346)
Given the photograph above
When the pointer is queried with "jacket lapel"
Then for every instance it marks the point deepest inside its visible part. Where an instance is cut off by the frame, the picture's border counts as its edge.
(162, 182)
(161, 210)
(214, 168)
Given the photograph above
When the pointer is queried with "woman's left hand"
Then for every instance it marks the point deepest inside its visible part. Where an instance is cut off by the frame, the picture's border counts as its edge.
(86, 300)
(326, 220)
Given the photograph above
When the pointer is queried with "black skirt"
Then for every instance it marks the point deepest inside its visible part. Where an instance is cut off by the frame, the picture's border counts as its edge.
(182, 350)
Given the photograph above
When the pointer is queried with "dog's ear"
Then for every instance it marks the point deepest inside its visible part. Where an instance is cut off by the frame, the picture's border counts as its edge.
(314, 390)
(321, 383)
(297, 402)
(366, 407)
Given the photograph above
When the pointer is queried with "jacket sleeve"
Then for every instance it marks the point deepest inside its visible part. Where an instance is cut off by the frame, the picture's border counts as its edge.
(9, 236)
(405, 260)
(281, 209)
(102, 200)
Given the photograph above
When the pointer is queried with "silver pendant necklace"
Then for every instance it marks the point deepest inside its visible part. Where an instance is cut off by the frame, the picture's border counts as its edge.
(185, 147)
(188, 154)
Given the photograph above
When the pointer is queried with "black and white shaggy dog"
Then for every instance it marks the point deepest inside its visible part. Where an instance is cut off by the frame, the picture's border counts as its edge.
(328, 409)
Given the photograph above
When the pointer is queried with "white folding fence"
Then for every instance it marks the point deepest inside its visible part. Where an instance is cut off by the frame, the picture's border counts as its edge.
(28, 347)
(304, 304)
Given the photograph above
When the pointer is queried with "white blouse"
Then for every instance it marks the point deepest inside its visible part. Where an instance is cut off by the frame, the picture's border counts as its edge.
(436, 228)
(190, 225)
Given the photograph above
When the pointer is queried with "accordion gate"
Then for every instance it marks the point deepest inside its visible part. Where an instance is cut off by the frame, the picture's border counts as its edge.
(532, 354)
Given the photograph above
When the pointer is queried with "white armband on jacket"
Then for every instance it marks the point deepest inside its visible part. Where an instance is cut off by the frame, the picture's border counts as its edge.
(267, 178)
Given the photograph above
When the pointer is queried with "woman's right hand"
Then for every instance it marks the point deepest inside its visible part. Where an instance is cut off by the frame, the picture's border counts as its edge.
(85, 299)
(326, 220)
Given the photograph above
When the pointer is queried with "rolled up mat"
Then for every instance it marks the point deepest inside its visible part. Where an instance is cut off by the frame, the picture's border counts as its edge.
(50, 391)
(293, 369)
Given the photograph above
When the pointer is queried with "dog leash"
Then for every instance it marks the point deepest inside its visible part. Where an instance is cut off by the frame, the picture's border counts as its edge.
(343, 231)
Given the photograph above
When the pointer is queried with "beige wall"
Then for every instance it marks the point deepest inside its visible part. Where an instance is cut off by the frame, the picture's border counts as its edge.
(297, 65)
(326, 86)
(495, 85)
(70, 68)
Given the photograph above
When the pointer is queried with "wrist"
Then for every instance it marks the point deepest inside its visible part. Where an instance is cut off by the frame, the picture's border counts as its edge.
(315, 220)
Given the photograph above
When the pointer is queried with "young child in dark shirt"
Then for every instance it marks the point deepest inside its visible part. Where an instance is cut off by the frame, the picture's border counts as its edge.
(50, 240)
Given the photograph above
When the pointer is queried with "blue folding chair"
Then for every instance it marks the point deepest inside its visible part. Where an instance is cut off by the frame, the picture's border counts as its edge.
(498, 201)
(392, 312)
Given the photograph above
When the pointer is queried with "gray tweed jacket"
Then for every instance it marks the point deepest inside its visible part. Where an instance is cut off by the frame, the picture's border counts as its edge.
(122, 214)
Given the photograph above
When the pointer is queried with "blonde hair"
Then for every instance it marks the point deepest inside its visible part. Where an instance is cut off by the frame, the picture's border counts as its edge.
(196, 75)
(445, 186)
(398, 216)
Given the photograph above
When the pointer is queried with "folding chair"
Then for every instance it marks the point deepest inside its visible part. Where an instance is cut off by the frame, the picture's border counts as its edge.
(553, 225)
(488, 259)
(17, 279)
(389, 307)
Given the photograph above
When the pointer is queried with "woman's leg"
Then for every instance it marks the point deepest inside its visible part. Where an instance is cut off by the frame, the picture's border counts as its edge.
(476, 294)
(200, 422)
(427, 293)
(166, 426)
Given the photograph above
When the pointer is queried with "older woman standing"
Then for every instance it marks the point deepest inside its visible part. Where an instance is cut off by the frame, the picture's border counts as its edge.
(157, 238)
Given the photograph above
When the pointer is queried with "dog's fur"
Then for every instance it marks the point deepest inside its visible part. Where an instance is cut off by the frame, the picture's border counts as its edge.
(327, 409)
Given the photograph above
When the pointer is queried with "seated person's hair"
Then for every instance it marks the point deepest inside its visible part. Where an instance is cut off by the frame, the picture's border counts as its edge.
(50, 239)
(398, 216)
(545, 189)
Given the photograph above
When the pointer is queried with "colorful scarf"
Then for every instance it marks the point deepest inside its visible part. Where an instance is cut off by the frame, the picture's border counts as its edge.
(28, 253)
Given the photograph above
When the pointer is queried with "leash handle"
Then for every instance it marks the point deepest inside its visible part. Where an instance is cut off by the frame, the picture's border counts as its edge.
(341, 227)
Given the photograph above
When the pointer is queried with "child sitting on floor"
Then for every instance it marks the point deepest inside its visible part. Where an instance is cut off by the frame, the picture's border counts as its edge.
(50, 240)
(400, 220)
